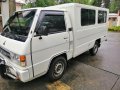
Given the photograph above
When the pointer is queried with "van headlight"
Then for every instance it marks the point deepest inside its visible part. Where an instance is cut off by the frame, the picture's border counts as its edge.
(14, 56)
(19, 59)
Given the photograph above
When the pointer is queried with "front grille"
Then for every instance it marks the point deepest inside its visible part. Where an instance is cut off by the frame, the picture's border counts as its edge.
(5, 53)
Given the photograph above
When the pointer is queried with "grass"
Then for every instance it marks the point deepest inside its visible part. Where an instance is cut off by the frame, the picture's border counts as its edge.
(114, 28)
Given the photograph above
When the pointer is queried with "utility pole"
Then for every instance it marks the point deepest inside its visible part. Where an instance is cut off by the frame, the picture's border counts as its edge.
(59, 1)
(12, 7)
(103, 3)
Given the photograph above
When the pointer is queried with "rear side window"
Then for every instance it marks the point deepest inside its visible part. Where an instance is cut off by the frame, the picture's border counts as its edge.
(56, 23)
(102, 16)
(87, 17)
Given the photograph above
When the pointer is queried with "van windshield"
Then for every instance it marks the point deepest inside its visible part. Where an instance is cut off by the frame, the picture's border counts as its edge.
(18, 25)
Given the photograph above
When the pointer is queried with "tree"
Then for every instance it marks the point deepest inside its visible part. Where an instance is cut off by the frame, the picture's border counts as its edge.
(118, 4)
(40, 3)
(97, 3)
(114, 5)
(107, 3)
(44, 3)
(88, 2)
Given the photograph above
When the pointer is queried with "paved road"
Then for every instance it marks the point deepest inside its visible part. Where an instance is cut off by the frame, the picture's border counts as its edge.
(100, 72)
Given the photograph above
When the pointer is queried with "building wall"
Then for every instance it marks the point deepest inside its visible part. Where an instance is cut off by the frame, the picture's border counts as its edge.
(118, 23)
(5, 11)
(118, 18)
(112, 21)
(18, 7)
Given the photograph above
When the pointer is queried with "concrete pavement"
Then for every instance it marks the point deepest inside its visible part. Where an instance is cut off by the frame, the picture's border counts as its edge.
(85, 72)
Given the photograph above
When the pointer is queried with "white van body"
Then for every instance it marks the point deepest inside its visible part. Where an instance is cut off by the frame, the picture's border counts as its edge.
(39, 51)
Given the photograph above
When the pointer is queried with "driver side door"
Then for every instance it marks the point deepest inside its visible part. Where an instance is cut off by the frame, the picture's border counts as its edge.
(51, 39)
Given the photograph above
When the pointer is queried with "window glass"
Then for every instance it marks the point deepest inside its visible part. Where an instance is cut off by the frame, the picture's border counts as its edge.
(102, 15)
(84, 17)
(87, 17)
(91, 17)
(19, 25)
(54, 23)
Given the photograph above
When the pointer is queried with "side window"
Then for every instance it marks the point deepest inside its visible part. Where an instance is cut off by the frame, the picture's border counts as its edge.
(84, 17)
(54, 23)
(102, 16)
(87, 17)
(91, 17)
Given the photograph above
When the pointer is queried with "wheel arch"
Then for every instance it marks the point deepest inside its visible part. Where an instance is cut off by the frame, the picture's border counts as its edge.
(64, 54)
(99, 41)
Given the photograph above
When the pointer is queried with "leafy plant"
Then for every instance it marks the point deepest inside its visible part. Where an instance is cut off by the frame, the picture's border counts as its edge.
(114, 28)
(113, 5)
(44, 3)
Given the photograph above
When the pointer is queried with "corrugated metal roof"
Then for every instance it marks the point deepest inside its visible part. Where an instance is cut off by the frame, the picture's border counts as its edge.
(25, 1)
(113, 15)
(20, 1)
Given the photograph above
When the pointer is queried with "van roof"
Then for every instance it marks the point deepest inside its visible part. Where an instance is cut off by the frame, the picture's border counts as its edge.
(64, 6)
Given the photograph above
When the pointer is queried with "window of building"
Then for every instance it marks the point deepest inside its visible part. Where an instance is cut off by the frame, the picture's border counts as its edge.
(102, 16)
(87, 17)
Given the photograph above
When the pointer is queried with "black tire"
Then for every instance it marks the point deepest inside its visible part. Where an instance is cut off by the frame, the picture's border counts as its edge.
(57, 68)
(2, 71)
(93, 51)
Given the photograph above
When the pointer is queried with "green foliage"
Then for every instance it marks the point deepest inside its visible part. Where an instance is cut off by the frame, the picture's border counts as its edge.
(88, 2)
(40, 3)
(97, 3)
(114, 28)
(44, 3)
(114, 6)
(27, 6)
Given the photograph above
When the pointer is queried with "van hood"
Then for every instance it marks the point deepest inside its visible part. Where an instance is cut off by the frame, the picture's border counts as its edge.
(14, 46)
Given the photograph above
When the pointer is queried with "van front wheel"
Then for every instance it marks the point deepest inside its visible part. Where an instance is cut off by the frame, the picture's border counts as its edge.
(57, 68)
(93, 51)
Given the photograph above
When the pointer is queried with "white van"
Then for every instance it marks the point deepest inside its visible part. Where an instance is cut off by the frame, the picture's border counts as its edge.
(39, 41)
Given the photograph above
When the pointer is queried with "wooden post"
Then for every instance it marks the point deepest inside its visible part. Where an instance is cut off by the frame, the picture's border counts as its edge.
(118, 18)
(12, 7)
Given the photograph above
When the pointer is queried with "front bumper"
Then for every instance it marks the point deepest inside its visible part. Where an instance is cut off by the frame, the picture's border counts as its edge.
(10, 70)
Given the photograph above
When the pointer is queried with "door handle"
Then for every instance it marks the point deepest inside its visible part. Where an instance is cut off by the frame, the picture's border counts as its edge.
(65, 37)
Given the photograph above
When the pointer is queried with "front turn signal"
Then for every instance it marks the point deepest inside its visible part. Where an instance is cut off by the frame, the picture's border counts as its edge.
(23, 60)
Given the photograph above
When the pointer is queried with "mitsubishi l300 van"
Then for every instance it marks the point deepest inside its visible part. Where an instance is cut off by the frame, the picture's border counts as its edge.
(39, 41)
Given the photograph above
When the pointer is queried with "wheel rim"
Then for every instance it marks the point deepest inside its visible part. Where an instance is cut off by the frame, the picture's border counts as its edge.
(59, 68)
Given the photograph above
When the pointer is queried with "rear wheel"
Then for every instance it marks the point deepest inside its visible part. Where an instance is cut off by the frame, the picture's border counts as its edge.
(93, 51)
(57, 68)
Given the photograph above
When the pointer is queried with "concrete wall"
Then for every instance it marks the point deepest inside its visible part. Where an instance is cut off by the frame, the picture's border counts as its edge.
(5, 11)
(112, 22)
(118, 22)
(18, 7)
